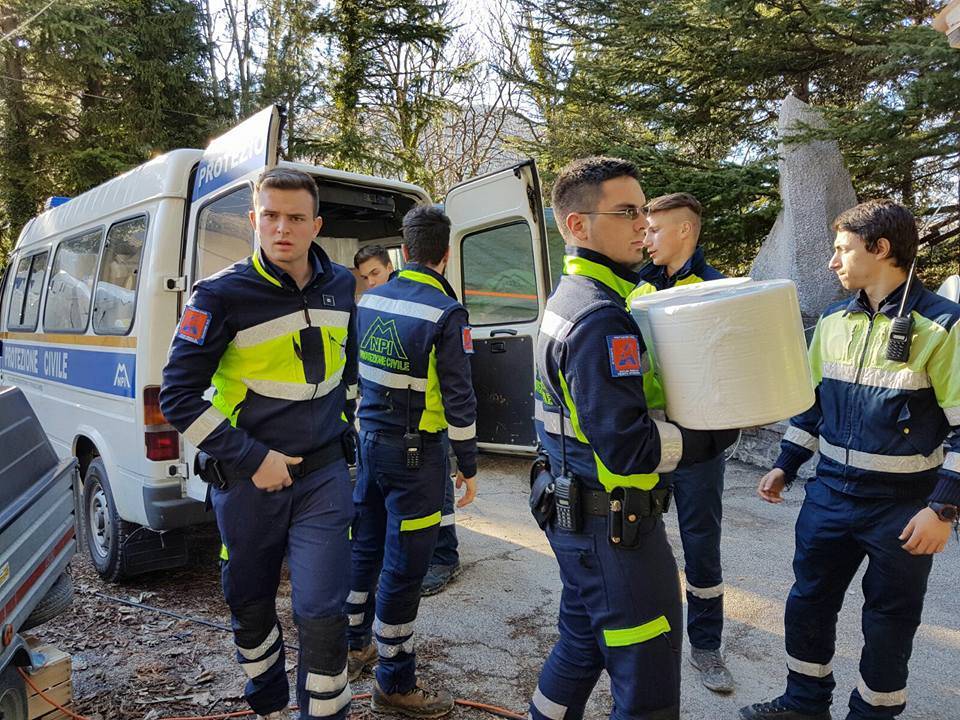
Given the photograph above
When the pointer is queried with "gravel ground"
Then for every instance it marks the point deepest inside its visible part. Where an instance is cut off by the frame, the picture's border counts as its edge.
(486, 636)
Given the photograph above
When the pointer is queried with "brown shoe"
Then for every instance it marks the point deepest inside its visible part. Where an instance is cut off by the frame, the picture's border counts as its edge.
(360, 660)
(417, 703)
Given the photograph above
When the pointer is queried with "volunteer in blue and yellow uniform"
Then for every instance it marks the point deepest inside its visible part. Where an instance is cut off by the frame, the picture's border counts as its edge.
(275, 336)
(417, 396)
(672, 243)
(373, 265)
(620, 608)
(884, 490)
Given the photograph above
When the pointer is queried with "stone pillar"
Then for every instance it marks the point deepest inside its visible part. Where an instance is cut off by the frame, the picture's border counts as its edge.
(815, 188)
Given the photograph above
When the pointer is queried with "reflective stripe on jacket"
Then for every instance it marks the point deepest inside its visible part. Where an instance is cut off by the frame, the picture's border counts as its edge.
(589, 391)
(879, 425)
(415, 348)
(282, 362)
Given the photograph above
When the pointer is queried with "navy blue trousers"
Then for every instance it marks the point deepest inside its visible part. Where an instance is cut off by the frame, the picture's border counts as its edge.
(308, 523)
(397, 521)
(621, 611)
(698, 497)
(834, 533)
(447, 550)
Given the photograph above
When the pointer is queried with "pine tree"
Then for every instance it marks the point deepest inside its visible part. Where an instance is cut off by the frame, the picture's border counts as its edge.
(691, 89)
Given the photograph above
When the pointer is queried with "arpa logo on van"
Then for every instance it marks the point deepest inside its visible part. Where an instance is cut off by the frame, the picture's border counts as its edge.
(121, 378)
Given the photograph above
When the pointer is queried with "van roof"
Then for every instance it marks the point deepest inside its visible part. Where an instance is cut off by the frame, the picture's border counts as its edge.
(357, 179)
(164, 176)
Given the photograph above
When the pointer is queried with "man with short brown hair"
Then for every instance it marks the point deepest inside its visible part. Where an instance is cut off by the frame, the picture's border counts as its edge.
(275, 334)
(620, 609)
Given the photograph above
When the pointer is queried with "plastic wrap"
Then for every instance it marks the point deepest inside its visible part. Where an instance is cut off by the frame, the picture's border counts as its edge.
(730, 353)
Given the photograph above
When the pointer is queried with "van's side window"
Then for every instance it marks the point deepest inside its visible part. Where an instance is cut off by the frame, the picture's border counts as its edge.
(71, 283)
(115, 298)
(27, 288)
(224, 233)
(499, 285)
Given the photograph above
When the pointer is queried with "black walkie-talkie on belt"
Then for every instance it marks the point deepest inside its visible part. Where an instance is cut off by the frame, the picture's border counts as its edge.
(566, 489)
(412, 442)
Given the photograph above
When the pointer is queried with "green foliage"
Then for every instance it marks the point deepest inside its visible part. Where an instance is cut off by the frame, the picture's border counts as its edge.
(690, 89)
(92, 89)
(359, 31)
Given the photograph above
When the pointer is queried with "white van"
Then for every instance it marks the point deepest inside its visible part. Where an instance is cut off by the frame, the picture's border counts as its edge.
(94, 288)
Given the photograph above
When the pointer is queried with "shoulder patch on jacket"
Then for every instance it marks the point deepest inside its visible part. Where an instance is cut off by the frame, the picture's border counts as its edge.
(466, 335)
(624, 355)
(193, 325)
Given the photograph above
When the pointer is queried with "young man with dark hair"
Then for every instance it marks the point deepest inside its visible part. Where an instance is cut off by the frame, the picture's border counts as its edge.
(417, 400)
(275, 335)
(373, 265)
(620, 608)
(676, 258)
(884, 490)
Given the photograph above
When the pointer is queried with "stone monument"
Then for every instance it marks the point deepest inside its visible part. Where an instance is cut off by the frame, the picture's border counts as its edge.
(815, 188)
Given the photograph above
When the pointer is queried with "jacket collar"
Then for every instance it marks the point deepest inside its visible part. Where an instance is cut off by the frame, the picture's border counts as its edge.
(657, 276)
(417, 272)
(890, 304)
(319, 264)
(589, 263)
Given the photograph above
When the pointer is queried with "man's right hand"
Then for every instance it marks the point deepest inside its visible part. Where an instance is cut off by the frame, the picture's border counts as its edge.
(272, 475)
(771, 485)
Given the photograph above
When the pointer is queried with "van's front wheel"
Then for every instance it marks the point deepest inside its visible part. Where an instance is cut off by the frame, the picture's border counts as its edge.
(105, 531)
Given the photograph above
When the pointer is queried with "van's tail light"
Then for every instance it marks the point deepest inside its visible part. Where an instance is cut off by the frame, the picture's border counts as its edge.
(152, 415)
(160, 439)
(163, 445)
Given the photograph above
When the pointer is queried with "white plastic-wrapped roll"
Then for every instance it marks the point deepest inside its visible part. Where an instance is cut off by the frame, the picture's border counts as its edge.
(730, 353)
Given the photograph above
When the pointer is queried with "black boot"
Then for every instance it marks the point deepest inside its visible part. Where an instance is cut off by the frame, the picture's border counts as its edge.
(777, 710)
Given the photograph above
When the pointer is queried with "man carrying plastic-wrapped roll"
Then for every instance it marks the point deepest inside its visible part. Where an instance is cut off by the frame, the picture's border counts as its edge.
(672, 242)
(886, 402)
(598, 493)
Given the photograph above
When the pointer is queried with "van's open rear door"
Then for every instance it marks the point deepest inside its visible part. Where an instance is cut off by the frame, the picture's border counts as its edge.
(499, 269)
(218, 231)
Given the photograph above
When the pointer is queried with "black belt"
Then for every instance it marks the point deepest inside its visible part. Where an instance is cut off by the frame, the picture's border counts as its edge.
(326, 455)
(651, 502)
(394, 440)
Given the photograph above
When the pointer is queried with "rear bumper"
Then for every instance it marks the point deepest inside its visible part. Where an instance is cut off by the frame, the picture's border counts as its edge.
(167, 509)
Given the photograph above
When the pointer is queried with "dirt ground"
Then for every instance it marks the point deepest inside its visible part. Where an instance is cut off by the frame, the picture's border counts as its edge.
(485, 637)
(131, 663)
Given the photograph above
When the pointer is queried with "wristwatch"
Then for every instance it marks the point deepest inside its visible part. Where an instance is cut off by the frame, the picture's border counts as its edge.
(945, 511)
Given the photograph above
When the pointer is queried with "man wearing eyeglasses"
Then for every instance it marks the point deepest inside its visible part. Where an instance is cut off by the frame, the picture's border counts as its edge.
(620, 609)
(676, 258)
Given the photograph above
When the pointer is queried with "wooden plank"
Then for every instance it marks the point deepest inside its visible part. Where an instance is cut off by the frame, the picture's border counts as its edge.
(61, 694)
(53, 678)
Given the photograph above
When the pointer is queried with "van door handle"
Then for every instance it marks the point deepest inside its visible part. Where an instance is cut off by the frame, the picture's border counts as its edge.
(503, 331)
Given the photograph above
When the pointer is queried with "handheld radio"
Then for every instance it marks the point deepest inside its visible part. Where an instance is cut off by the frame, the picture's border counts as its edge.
(412, 441)
(901, 329)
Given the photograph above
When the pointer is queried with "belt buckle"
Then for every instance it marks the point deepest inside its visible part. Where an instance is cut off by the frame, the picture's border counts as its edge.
(296, 472)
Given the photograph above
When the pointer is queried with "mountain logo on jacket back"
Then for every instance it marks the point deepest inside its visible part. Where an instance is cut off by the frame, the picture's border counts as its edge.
(381, 346)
